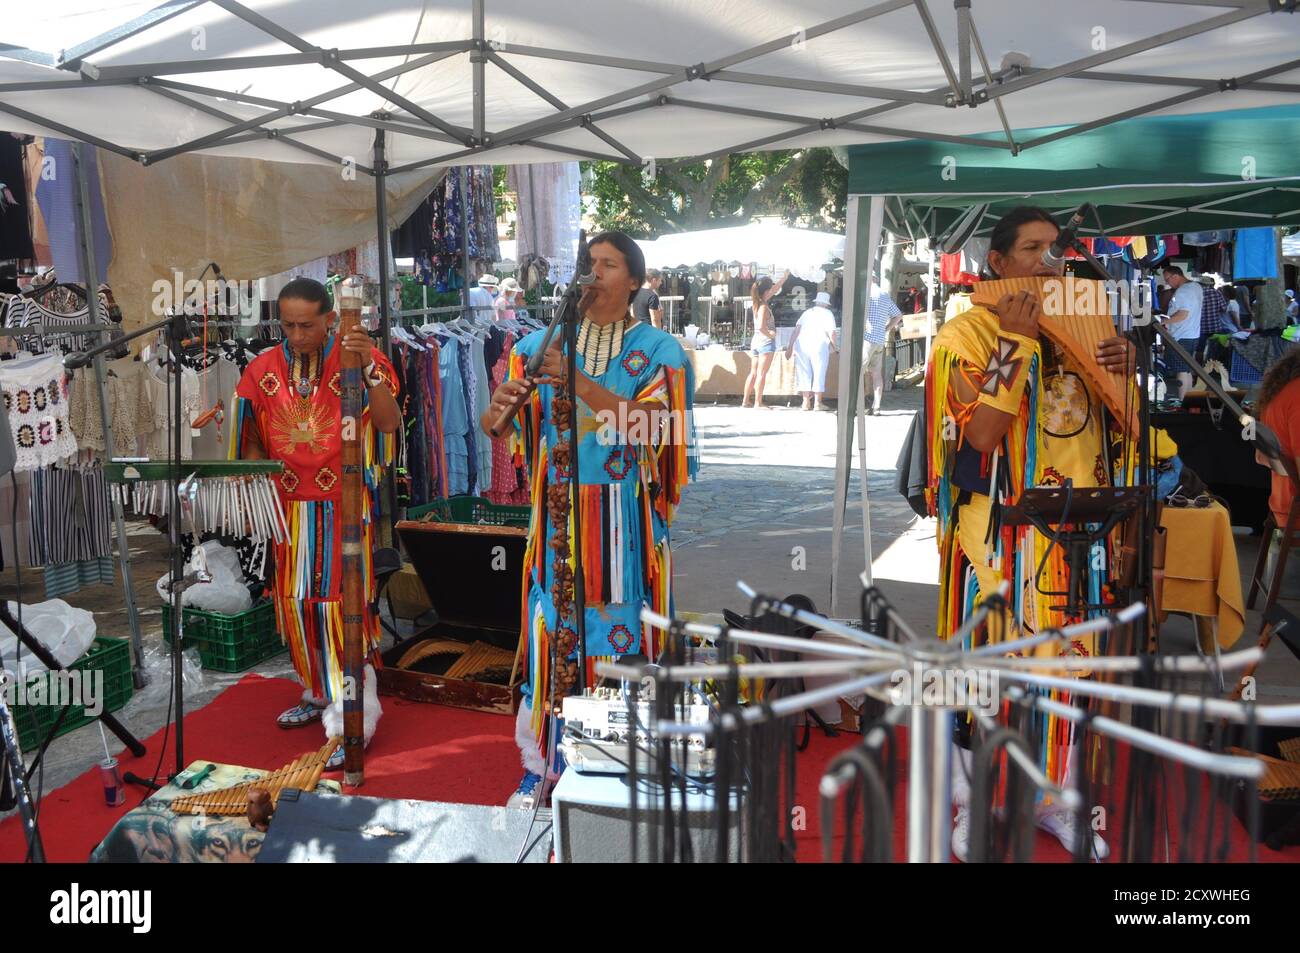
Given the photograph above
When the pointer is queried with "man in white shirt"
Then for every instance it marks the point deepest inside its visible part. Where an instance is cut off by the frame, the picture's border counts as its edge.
(882, 316)
(482, 297)
(1292, 307)
(1184, 321)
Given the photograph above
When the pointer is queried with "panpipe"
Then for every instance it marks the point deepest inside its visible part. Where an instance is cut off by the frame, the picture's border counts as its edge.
(302, 774)
(423, 650)
(478, 657)
(1290, 749)
(1281, 779)
(471, 659)
(1076, 316)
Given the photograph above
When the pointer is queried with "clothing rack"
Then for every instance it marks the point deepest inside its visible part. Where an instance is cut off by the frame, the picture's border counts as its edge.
(407, 317)
(38, 330)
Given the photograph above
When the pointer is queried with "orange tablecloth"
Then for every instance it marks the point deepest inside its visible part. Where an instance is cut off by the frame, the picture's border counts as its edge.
(1201, 573)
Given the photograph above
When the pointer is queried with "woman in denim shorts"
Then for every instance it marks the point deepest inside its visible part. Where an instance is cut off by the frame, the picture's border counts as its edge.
(762, 347)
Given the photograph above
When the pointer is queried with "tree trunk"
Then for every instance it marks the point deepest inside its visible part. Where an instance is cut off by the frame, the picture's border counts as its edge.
(1270, 303)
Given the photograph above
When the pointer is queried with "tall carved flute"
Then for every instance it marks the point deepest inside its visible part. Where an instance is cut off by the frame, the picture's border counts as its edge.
(350, 513)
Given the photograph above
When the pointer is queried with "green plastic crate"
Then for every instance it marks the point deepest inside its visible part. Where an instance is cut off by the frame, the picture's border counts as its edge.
(113, 658)
(230, 643)
(471, 509)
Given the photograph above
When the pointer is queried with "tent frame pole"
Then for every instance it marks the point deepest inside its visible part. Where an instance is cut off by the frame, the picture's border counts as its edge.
(90, 278)
(330, 61)
(130, 74)
(385, 281)
(963, 52)
(390, 124)
(856, 298)
(478, 139)
(478, 61)
(929, 297)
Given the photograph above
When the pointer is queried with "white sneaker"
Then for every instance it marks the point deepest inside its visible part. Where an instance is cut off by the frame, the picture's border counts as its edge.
(1063, 826)
(525, 798)
(961, 835)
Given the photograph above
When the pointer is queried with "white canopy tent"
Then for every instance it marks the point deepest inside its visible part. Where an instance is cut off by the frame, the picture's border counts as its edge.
(803, 251)
(393, 86)
(510, 81)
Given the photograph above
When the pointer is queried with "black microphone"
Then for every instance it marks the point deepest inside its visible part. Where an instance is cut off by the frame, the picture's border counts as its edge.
(1065, 237)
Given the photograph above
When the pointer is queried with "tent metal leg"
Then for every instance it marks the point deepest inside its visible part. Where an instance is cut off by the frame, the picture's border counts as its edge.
(91, 281)
(963, 49)
(385, 319)
(929, 300)
(861, 234)
(860, 412)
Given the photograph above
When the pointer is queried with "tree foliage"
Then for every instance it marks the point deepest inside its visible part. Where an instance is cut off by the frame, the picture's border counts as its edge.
(805, 187)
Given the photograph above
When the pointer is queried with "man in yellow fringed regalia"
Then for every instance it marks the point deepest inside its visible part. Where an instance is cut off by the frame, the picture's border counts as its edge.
(1007, 409)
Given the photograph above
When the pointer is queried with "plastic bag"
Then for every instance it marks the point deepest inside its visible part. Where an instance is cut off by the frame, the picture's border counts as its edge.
(63, 629)
(226, 593)
(158, 671)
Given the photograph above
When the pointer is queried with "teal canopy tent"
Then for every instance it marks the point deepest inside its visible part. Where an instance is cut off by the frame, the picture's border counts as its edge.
(1160, 174)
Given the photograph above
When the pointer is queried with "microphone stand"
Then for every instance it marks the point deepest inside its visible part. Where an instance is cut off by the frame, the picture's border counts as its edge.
(178, 330)
(13, 780)
(569, 310)
(1143, 587)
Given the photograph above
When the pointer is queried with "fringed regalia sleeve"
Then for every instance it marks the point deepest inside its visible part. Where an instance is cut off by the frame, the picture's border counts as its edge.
(673, 457)
(380, 447)
(244, 425)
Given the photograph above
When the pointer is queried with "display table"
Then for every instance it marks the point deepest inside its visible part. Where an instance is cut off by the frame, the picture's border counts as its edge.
(152, 834)
(1220, 457)
(722, 373)
(1202, 577)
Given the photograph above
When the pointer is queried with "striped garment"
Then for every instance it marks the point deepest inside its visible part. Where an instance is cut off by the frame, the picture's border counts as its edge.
(1214, 313)
(70, 516)
(880, 311)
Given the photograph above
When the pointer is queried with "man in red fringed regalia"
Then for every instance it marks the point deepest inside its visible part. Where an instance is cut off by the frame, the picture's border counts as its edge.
(287, 408)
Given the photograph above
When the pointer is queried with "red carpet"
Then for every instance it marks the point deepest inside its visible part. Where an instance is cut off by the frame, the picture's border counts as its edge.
(1047, 849)
(425, 752)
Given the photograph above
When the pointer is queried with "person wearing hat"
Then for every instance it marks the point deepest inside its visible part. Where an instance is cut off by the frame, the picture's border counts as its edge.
(511, 295)
(814, 337)
(882, 315)
(482, 297)
(1184, 321)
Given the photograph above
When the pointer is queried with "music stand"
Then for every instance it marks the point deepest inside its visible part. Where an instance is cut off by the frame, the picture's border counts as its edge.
(1049, 508)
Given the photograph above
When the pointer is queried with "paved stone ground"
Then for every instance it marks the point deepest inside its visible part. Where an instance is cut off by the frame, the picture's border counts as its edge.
(762, 511)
